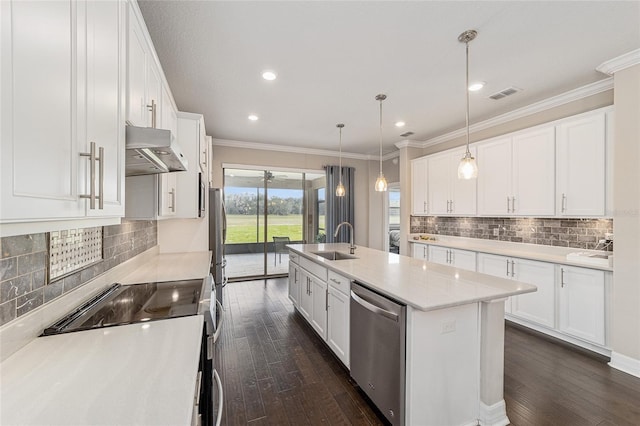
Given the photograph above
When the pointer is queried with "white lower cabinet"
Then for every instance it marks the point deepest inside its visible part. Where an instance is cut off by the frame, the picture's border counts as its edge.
(420, 251)
(538, 307)
(322, 298)
(582, 303)
(338, 316)
(462, 259)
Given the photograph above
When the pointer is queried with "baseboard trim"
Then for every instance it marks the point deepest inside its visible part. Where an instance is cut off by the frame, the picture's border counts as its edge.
(625, 363)
(493, 415)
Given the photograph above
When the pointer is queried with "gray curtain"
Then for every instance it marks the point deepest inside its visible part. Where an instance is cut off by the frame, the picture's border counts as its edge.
(339, 209)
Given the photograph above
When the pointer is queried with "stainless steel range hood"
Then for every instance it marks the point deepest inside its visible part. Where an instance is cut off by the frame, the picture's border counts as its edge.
(151, 151)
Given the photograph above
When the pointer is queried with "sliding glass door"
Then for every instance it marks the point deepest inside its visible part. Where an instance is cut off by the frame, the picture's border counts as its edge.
(266, 210)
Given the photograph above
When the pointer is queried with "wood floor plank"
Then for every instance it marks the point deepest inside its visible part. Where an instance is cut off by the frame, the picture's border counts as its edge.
(276, 370)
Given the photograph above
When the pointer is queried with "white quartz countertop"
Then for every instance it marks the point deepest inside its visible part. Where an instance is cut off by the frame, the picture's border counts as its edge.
(128, 375)
(420, 284)
(171, 267)
(539, 252)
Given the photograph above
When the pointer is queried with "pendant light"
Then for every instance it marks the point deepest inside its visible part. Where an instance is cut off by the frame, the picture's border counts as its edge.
(381, 182)
(340, 191)
(467, 169)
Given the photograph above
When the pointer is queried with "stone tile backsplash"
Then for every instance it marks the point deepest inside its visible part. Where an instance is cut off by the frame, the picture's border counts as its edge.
(24, 284)
(575, 233)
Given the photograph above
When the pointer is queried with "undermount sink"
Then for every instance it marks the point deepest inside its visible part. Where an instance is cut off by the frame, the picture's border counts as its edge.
(334, 255)
(602, 259)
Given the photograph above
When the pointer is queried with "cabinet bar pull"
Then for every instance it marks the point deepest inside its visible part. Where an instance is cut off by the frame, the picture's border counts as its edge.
(508, 206)
(561, 277)
(564, 202)
(513, 204)
(92, 179)
(101, 178)
(507, 267)
(152, 108)
(424, 207)
(326, 300)
(451, 211)
(513, 268)
(172, 206)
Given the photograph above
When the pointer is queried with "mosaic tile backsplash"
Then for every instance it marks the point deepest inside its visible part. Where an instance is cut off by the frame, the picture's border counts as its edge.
(575, 233)
(72, 250)
(23, 265)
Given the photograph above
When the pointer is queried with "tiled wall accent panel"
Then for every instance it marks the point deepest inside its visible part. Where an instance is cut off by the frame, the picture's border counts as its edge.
(24, 260)
(576, 233)
(72, 250)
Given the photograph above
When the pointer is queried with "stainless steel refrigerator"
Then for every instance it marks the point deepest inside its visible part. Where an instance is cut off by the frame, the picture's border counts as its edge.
(217, 237)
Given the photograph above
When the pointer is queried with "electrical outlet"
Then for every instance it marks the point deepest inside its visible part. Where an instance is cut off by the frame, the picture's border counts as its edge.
(448, 327)
(496, 232)
(608, 236)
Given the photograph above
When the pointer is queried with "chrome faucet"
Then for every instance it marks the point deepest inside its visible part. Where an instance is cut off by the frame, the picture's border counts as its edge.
(352, 246)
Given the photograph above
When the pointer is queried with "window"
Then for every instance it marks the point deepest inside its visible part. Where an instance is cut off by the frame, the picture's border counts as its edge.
(320, 215)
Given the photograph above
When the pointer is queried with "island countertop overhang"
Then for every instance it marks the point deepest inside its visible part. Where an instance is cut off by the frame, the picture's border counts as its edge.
(417, 283)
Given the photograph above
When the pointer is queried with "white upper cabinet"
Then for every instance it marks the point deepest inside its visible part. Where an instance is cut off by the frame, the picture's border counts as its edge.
(419, 186)
(448, 195)
(136, 73)
(517, 173)
(581, 160)
(192, 139)
(169, 119)
(62, 88)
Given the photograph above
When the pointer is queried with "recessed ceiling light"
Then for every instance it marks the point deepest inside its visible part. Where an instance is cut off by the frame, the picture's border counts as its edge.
(400, 123)
(269, 75)
(474, 87)
(253, 117)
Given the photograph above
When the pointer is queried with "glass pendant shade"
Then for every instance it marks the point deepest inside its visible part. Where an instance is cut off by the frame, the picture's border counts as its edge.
(381, 183)
(467, 169)
(340, 191)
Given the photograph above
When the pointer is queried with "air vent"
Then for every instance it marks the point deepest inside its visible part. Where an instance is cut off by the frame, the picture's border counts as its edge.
(406, 134)
(504, 93)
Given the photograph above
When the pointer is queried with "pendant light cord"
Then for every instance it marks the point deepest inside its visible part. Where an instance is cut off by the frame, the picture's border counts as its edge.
(466, 89)
(381, 135)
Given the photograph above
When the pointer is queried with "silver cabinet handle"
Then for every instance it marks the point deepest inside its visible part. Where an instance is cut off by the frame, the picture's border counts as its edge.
(152, 108)
(508, 206)
(561, 277)
(295, 275)
(220, 397)
(507, 267)
(564, 202)
(101, 178)
(326, 300)
(424, 252)
(334, 280)
(373, 308)
(452, 261)
(172, 206)
(451, 211)
(513, 204)
(93, 159)
(513, 268)
(424, 207)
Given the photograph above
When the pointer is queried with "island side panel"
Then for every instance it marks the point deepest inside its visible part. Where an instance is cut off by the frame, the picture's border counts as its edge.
(492, 406)
(443, 361)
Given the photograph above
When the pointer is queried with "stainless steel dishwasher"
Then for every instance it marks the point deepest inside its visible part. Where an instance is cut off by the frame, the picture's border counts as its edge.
(378, 328)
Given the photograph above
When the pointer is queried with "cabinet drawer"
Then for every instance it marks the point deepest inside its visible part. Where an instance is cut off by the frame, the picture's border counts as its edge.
(339, 282)
(294, 257)
(314, 268)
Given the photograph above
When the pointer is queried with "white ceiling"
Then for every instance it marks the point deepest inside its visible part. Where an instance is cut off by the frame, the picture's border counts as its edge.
(332, 58)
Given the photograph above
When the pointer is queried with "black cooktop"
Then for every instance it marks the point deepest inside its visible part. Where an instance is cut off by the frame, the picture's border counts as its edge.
(128, 304)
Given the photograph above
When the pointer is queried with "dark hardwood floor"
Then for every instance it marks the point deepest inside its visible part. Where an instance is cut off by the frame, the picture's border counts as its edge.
(276, 371)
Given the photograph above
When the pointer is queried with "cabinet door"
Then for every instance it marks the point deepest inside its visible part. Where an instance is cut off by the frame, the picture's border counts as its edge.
(169, 114)
(203, 151)
(533, 168)
(463, 259)
(338, 324)
(105, 119)
(439, 255)
(582, 301)
(419, 186)
(581, 161)
(438, 176)
(153, 93)
(319, 310)
(463, 191)
(538, 307)
(136, 73)
(306, 300)
(39, 136)
(420, 251)
(497, 266)
(494, 177)
(168, 196)
(294, 283)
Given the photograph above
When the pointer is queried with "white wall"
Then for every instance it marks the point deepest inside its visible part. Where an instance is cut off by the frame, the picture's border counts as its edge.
(626, 218)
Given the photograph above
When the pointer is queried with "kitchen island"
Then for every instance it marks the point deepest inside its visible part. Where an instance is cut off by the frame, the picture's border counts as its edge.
(454, 328)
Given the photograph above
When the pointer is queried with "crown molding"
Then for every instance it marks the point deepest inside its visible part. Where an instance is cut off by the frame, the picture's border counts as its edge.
(284, 148)
(391, 155)
(408, 144)
(614, 65)
(570, 96)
